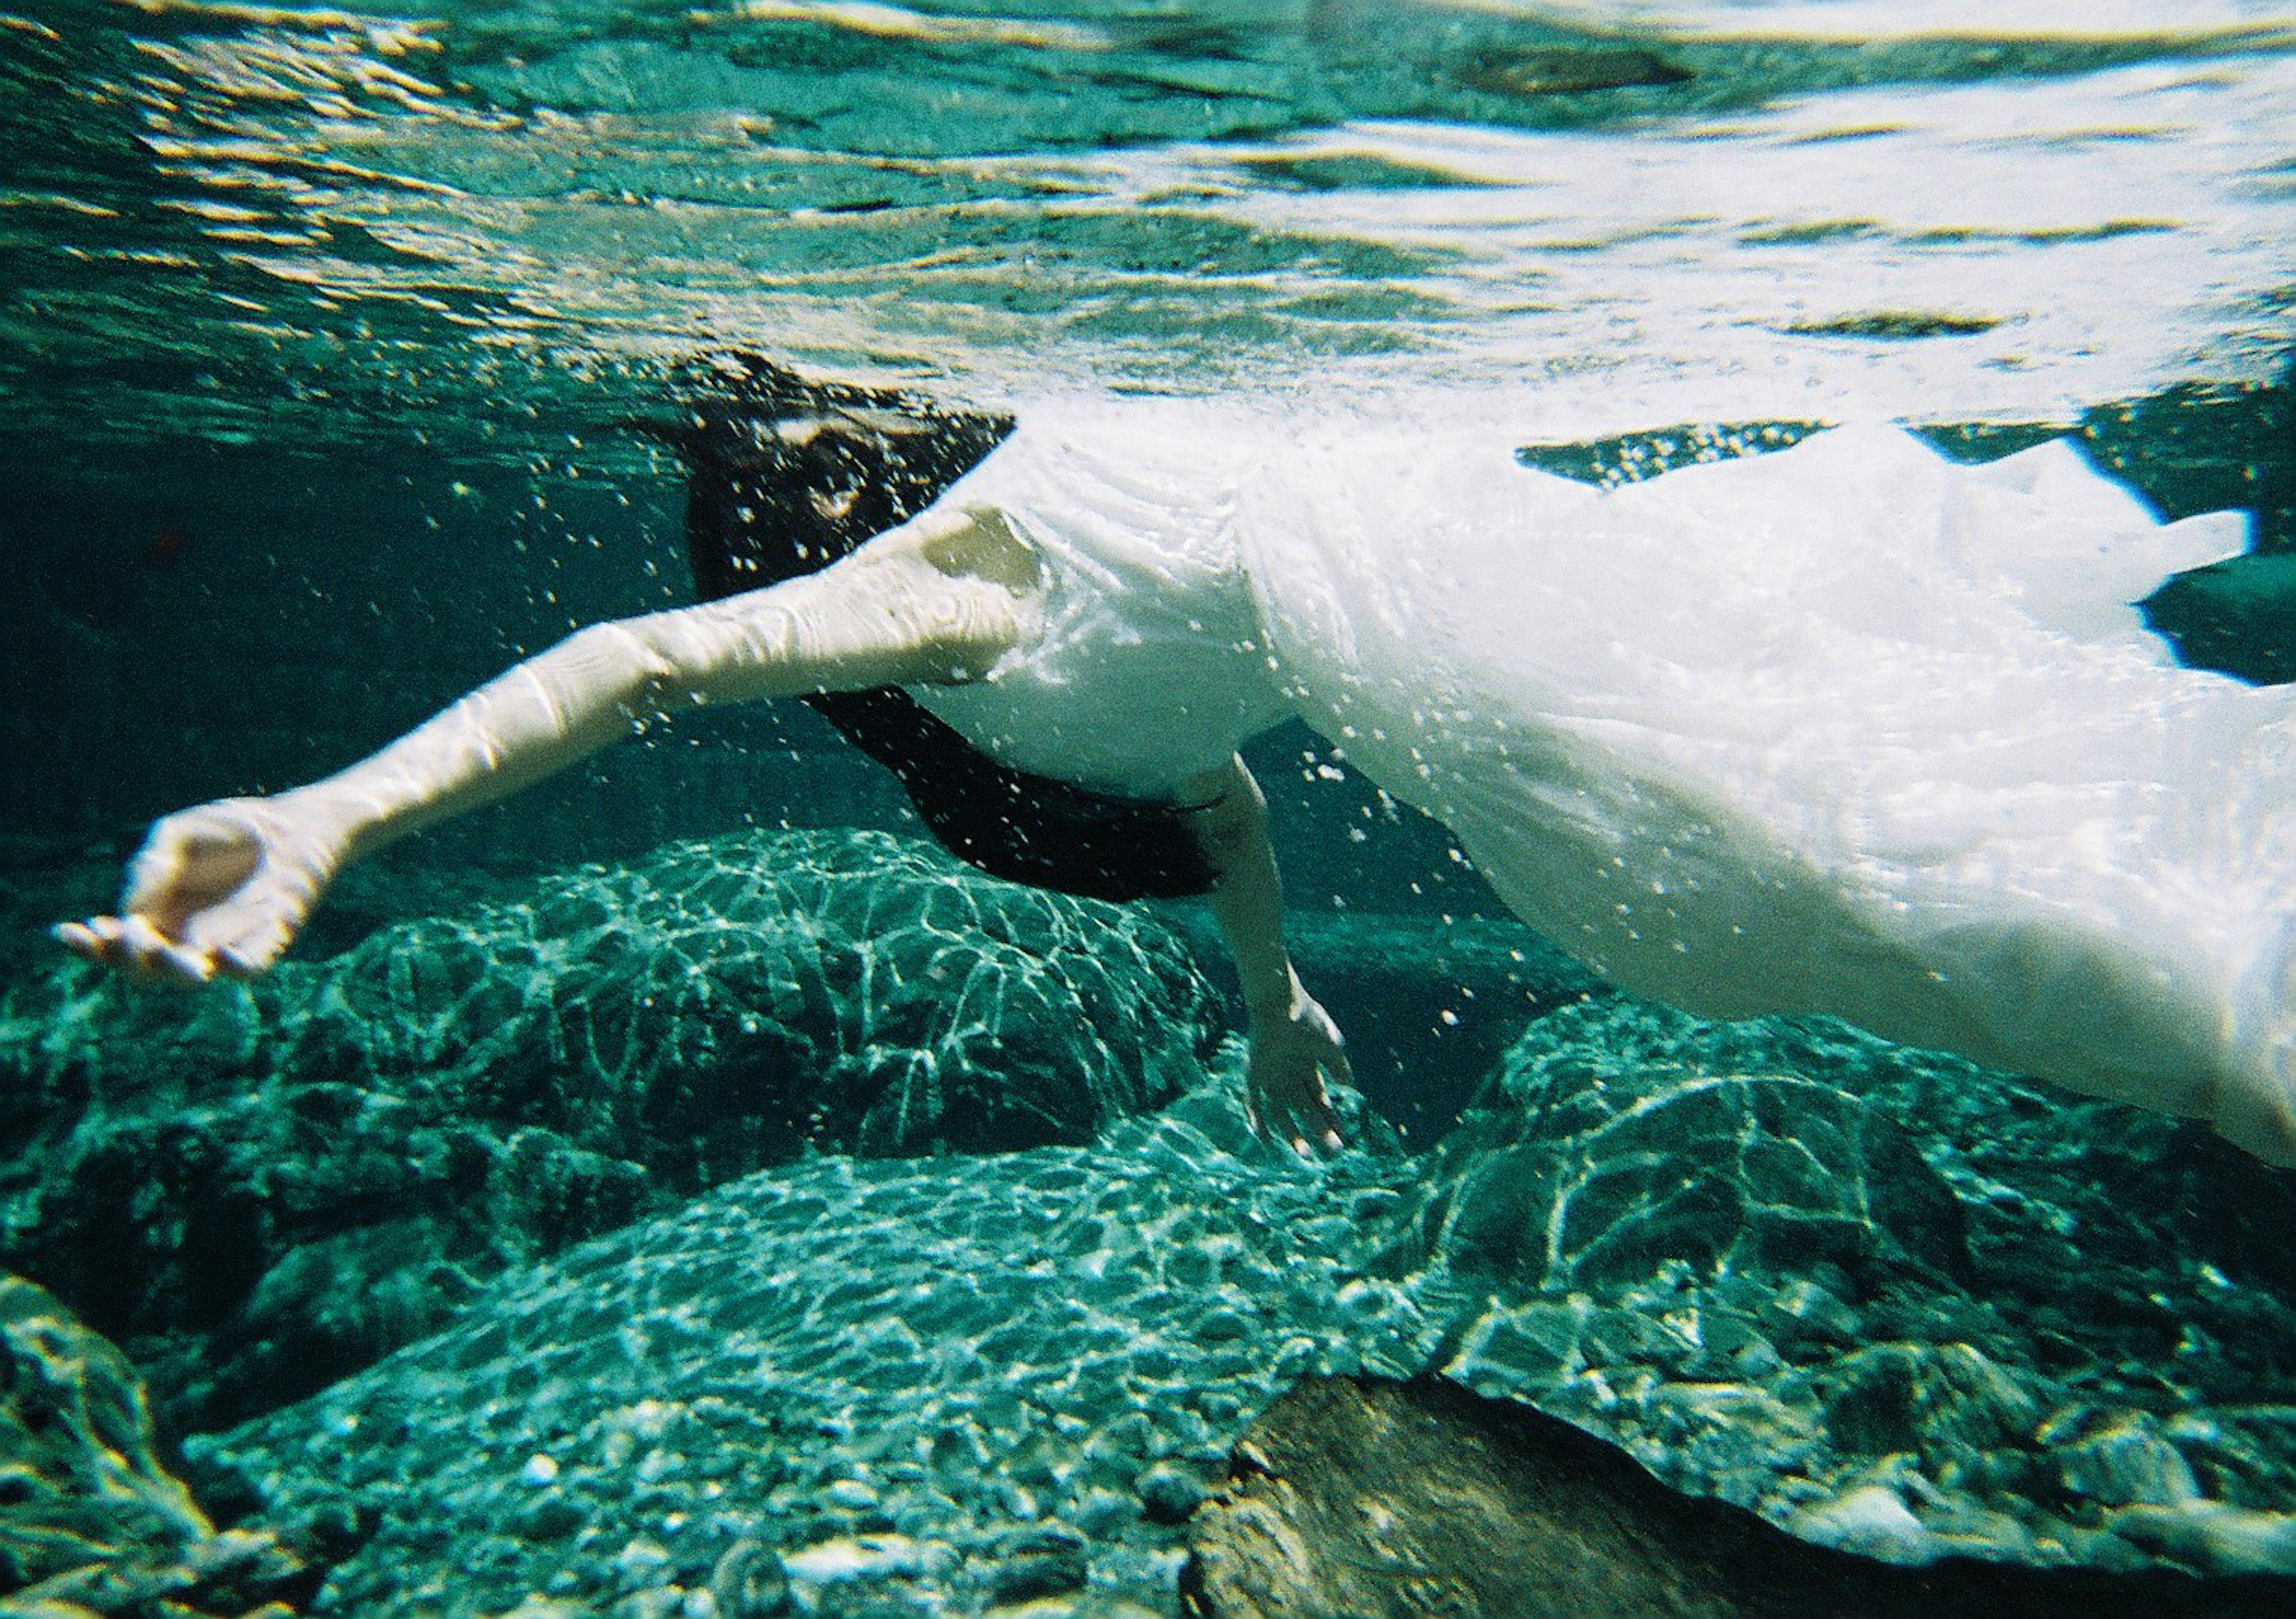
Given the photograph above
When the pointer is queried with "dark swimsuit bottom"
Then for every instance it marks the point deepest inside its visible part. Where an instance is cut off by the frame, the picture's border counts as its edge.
(765, 503)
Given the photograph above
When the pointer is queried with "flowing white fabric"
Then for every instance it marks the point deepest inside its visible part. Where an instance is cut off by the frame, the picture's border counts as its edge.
(1847, 728)
(1149, 668)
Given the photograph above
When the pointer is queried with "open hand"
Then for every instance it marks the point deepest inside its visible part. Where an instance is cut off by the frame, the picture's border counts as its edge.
(217, 890)
(1291, 1057)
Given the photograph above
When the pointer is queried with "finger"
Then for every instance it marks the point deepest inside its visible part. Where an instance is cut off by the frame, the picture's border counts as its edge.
(100, 939)
(162, 957)
(188, 964)
(112, 942)
(252, 954)
(139, 938)
(103, 934)
(78, 938)
(1327, 1116)
(1299, 1126)
(1276, 1123)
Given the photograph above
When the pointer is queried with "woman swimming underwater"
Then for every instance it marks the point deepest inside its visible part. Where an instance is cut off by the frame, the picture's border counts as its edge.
(1847, 728)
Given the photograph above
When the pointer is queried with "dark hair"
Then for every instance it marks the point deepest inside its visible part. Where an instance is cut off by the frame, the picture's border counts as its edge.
(786, 475)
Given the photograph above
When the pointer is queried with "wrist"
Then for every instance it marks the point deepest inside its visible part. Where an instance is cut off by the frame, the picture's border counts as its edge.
(1278, 1002)
(324, 828)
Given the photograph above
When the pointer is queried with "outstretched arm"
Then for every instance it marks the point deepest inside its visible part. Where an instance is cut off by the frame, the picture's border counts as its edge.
(222, 887)
(1295, 1043)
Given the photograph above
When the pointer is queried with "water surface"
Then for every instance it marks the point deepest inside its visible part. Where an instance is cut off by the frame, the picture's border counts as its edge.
(322, 225)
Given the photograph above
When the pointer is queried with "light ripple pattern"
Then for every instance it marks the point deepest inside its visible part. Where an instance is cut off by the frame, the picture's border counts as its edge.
(1691, 213)
(326, 1162)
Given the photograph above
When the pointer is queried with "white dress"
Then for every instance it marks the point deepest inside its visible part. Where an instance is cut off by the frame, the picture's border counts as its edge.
(1847, 728)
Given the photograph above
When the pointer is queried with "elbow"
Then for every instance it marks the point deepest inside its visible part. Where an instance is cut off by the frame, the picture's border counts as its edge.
(954, 633)
(617, 661)
(1232, 826)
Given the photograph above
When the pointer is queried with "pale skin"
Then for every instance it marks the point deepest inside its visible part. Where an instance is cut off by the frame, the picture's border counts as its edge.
(222, 889)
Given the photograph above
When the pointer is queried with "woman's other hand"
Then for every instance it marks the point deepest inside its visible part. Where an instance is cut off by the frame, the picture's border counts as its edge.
(1292, 1055)
(215, 891)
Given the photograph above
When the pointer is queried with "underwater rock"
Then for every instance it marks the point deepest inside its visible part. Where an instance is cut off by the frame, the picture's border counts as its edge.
(1578, 1170)
(1030, 1367)
(1922, 1311)
(92, 1522)
(2125, 1461)
(1794, 1267)
(1934, 1400)
(880, 1386)
(261, 1186)
(1368, 1498)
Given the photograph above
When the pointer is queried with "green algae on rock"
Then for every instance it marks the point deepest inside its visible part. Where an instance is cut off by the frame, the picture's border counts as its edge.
(91, 1520)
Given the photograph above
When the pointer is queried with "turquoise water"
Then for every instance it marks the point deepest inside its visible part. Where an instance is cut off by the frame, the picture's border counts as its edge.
(314, 324)
(292, 226)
